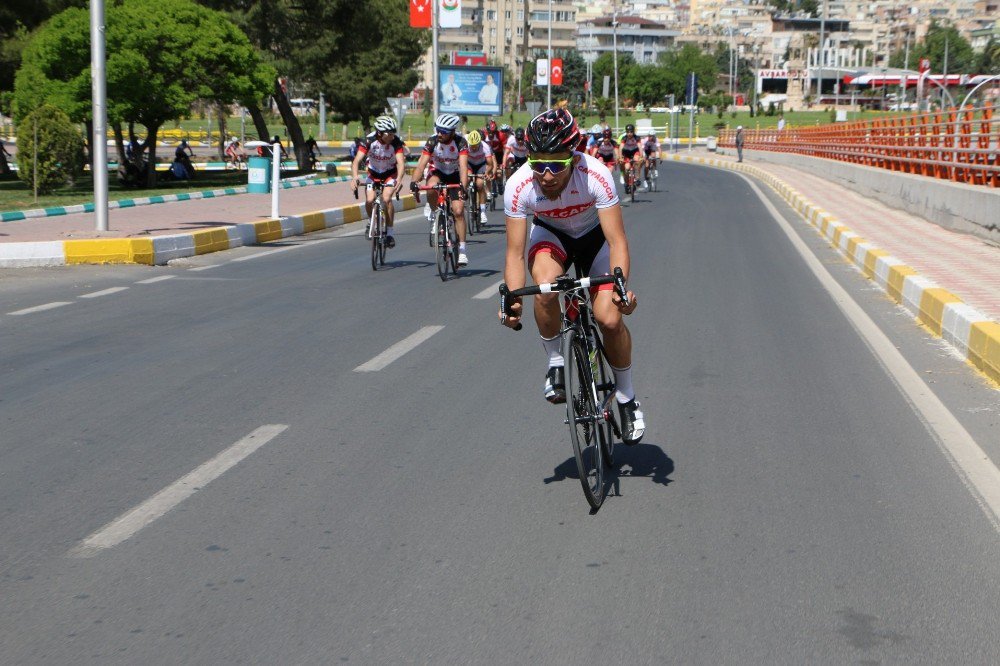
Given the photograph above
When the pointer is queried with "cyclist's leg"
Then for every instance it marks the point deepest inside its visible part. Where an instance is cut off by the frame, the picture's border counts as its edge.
(369, 201)
(390, 210)
(432, 195)
(546, 261)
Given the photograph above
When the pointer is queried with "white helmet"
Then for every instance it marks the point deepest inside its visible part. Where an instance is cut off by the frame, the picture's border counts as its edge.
(596, 129)
(739, 127)
(385, 124)
(446, 122)
(652, 132)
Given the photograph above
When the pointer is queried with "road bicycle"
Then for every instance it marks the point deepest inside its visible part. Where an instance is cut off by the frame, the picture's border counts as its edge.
(473, 216)
(377, 229)
(651, 173)
(629, 172)
(496, 188)
(444, 236)
(590, 385)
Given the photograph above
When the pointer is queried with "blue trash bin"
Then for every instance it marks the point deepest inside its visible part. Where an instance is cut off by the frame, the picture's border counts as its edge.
(259, 175)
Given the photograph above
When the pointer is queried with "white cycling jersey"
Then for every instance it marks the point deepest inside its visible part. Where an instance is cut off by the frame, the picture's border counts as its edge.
(381, 156)
(574, 212)
(479, 153)
(520, 151)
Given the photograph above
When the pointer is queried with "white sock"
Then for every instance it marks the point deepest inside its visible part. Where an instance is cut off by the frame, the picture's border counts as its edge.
(461, 247)
(623, 381)
(482, 208)
(553, 348)
(388, 231)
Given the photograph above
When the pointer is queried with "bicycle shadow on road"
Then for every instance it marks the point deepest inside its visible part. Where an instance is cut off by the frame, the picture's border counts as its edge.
(404, 263)
(641, 460)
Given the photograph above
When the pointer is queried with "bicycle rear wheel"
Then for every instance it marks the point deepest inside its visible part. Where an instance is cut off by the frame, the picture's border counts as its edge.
(382, 242)
(453, 242)
(605, 387)
(470, 225)
(585, 431)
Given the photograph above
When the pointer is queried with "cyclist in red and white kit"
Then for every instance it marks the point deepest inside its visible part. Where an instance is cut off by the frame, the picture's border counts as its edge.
(448, 155)
(576, 217)
(386, 164)
(515, 152)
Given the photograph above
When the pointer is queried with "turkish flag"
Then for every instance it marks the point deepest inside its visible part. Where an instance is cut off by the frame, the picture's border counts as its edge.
(557, 71)
(420, 13)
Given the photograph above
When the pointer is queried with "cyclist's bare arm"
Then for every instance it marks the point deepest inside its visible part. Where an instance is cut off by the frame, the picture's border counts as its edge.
(463, 172)
(355, 165)
(614, 234)
(513, 271)
(401, 170)
(417, 174)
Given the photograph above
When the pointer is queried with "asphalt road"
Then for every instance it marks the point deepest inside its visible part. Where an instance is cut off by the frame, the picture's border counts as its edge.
(789, 503)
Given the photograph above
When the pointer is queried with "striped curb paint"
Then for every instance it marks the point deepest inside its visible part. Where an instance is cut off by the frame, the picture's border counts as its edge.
(13, 216)
(158, 250)
(972, 333)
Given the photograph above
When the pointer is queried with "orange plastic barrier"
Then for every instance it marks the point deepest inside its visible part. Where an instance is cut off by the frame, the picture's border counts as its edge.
(958, 145)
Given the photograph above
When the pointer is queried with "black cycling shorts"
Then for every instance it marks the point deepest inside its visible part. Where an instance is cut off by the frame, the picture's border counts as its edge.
(447, 178)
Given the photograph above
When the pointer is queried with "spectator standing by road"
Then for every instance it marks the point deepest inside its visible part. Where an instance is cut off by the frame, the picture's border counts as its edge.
(739, 142)
(781, 123)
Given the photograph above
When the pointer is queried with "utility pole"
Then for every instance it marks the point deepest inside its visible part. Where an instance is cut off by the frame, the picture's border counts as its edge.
(548, 96)
(614, 46)
(821, 59)
(99, 110)
(434, 52)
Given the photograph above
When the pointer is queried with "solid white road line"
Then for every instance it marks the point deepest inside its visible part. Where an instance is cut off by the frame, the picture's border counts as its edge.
(398, 349)
(126, 525)
(205, 268)
(160, 278)
(976, 470)
(40, 308)
(105, 292)
(490, 292)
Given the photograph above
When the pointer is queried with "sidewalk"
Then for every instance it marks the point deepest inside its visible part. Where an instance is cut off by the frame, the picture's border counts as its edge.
(949, 280)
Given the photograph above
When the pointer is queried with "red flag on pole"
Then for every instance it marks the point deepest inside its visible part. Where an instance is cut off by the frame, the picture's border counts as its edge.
(557, 71)
(420, 13)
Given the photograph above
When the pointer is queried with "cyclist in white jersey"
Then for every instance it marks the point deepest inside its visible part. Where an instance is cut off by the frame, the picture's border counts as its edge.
(576, 218)
(386, 164)
(447, 152)
(481, 162)
(515, 152)
(651, 150)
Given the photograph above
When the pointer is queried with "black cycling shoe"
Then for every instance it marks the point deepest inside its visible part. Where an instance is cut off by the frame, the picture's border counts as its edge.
(555, 385)
(633, 423)
(390, 241)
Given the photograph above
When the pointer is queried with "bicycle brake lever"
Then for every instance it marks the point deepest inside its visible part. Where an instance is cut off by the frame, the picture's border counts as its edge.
(505, 305)
(620, 285)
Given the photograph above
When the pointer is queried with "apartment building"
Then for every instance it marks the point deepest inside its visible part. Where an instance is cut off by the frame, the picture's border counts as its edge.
(642, 38)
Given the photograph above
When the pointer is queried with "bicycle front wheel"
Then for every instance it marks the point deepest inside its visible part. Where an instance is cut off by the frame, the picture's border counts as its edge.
(585, 431)
(375, 231)
(453, 242)
(441, 245)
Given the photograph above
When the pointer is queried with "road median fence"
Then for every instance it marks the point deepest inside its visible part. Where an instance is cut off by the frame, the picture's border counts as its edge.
(961, 146)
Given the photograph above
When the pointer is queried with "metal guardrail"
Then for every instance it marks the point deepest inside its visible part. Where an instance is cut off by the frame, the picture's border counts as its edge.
(962, 146)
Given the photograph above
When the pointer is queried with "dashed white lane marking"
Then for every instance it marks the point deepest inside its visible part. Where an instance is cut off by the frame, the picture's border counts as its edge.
(204, 268)
(490, 292)
(398, 349)
(975, 469)
(40, 308)
(103, 292)
(159, 278)
(126, 525)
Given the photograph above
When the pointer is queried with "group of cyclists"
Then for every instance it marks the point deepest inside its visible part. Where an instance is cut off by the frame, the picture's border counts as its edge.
(560, 205)
(641, 152)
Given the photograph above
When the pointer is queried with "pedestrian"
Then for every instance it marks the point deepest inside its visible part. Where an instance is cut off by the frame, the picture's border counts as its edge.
(4, 166)
(781, 122)
(739, 142)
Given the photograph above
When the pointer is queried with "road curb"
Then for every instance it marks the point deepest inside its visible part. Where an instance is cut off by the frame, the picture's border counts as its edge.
(972, 333)
(54, 211)
(158, 250)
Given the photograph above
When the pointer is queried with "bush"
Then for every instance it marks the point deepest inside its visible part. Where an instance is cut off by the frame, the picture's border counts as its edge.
(770, 109)
(60, 149)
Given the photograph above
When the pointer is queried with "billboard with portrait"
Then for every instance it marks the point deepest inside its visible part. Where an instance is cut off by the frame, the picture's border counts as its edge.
(470, 91)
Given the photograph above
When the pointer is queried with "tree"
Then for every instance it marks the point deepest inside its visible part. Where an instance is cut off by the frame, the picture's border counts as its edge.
(647, 84)
(680, 63)
(58, 151)
(574, 76)
(940, 38)
(17, 19)
(162, 56)
(358, 68)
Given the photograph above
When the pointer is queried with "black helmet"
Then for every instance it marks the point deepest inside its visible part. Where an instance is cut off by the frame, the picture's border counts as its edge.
(519, 134)
(554, 131)
(630, 128)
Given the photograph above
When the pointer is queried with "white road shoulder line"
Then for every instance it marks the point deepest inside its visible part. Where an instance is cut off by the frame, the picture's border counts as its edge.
(976, 470)
(126, 525)
(398, 349)
(104, 292)
(204, 268)
(40, 308)
(159, 278)
(492, 291)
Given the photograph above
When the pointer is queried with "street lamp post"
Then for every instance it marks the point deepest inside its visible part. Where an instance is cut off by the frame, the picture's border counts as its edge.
(548, 97)
(99, 110)
(614, 46)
